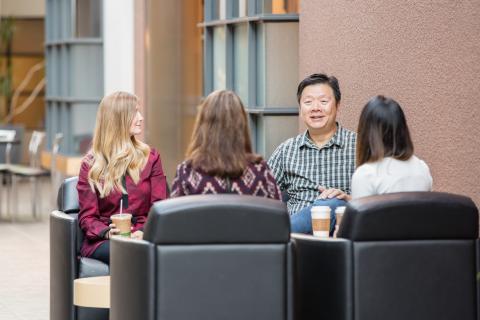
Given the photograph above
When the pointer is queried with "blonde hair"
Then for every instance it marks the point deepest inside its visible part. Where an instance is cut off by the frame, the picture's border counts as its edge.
(115, 151)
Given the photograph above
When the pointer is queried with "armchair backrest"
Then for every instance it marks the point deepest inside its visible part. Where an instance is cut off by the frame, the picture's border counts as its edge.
(224, 218)
(11, 152)
(226, 256)
(410, 216)
(67, 202)
(7, 135)
(67, 199)
(34, 147)
(413, 256)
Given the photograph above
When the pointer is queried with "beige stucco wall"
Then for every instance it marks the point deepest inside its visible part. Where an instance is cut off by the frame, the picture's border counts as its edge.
(423, 53)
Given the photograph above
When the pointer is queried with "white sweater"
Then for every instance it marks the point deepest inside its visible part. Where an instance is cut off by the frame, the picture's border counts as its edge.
(391, 175)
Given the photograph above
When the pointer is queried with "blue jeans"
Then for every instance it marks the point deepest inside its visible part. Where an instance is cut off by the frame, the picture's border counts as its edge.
(301, 222)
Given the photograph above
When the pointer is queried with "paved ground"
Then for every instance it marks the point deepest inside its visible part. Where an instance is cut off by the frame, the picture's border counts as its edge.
(24, 259)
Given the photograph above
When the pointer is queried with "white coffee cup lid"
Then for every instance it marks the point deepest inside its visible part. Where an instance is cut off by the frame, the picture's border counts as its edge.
(321, 209)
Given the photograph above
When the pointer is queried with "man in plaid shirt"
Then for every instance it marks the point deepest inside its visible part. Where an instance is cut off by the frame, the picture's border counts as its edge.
(316, 167)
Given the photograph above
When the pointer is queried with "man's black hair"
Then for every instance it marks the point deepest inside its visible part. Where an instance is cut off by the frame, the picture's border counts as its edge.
(318, 78)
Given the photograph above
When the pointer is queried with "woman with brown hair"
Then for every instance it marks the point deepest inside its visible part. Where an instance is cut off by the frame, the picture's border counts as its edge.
(220, 157)
(118, 167)
(385, 159)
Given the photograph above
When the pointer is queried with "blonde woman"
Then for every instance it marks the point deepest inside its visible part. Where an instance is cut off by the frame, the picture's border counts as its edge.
(119, 166)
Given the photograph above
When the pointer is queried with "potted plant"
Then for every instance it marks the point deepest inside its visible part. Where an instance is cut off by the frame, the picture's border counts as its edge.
(6, 35)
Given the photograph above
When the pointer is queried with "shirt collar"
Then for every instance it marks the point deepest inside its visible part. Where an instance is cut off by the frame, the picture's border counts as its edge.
(337, 139)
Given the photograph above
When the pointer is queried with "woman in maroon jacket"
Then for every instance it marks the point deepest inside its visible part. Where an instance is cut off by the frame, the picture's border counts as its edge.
(220, 157)
(119, 166)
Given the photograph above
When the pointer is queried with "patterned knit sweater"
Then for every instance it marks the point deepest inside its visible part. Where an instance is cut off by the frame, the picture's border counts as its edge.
(256, 180)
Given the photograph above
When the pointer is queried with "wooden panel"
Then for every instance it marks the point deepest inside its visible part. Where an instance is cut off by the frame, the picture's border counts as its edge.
(67, 165)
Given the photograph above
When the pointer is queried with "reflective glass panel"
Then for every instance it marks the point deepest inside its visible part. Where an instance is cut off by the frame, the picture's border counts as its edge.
(219, 59)
(88, 18)
(240, 53)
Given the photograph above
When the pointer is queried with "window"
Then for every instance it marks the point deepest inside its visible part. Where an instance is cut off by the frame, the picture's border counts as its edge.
(88, 15)
(251, 47)
(74, 54)
(219, 58)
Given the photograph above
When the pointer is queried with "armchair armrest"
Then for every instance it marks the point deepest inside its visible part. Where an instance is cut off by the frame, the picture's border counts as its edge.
(132, 274)
(477, 247)
(323, 278)
(63, 264)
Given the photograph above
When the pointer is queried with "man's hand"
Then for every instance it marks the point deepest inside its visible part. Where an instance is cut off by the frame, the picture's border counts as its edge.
(137, 235)
(330, 193)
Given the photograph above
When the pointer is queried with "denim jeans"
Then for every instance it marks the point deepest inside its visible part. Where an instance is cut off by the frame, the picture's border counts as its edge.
(301, 222)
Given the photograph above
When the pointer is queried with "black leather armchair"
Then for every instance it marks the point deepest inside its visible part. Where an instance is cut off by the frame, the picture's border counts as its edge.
(206, 257)
(398, 256)
(65, 262)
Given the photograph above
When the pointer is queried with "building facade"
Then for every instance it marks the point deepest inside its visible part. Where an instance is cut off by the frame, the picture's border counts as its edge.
(424, 54)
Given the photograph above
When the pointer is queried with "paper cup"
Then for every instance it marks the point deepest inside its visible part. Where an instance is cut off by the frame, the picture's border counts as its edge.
(321, 221)
(123, 222)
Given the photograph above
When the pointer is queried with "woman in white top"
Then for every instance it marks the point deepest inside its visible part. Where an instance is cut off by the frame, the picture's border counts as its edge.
(385, 159)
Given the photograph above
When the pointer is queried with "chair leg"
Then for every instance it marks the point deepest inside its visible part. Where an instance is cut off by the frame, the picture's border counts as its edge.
(33, 195)
(53, 198)
(38, 197)
(1, 194)
(14, 193)
(8, 193)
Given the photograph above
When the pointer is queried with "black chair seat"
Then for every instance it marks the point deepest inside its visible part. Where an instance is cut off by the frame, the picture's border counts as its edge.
(26, 171)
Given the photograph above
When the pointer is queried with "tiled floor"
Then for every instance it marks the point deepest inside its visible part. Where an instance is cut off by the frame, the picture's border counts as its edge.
(24, 259)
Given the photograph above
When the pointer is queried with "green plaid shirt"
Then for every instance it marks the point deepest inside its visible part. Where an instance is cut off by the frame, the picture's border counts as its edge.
(300, 167)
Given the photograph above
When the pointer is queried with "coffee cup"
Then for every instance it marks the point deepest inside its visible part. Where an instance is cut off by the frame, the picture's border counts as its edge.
(339, 212)
(321, 221)
(123, 222)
